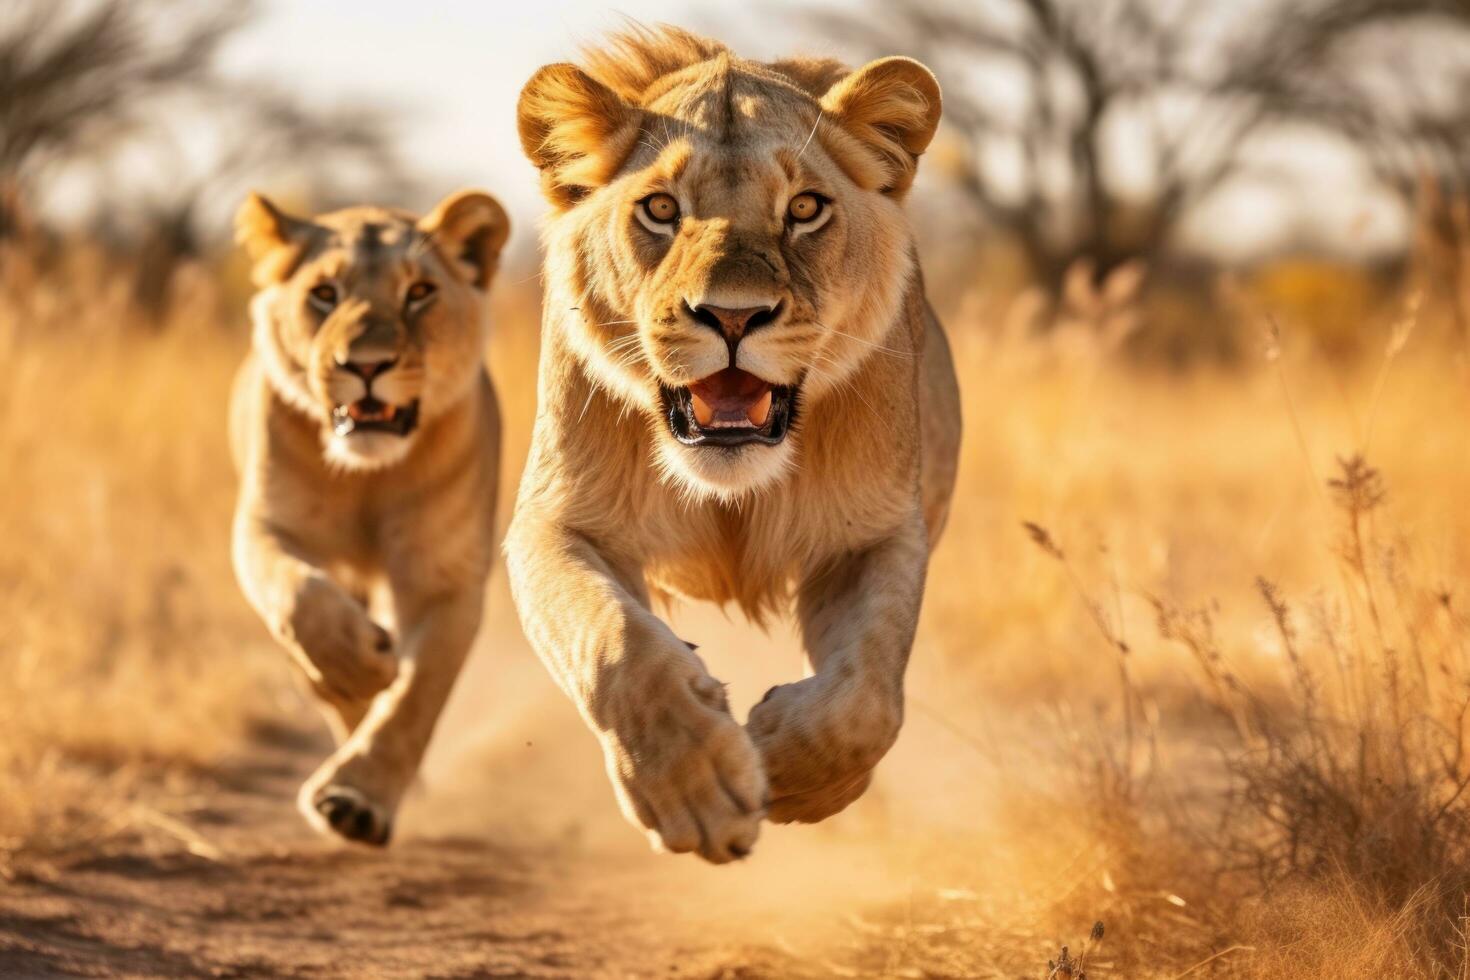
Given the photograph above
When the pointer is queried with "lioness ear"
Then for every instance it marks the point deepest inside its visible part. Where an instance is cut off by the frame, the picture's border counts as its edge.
(470, 229)
(892, 106)
(576, 130)
(274, 240)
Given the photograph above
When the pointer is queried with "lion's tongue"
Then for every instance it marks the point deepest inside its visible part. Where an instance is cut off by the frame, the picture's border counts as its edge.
(730, 398)
(371, 410)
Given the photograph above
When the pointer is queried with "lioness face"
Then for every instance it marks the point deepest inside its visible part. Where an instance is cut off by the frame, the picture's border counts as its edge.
(744, 256)
(738, 252)
(371, 321)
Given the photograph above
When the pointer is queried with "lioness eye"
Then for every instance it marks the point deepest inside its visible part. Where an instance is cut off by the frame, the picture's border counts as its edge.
(419, 292)
(804, 207)
(661, 208)
(324, 295)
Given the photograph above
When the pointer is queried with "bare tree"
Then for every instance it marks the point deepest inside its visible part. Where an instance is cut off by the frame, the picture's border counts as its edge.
(72, 80)
(1403, 98)
(1042, 94)
(81, 82)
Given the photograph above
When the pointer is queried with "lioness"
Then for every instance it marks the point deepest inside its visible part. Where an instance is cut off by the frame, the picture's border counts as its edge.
(745, 397)
(367, 437)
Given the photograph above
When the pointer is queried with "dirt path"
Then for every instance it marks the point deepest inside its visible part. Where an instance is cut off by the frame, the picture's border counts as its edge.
(510, 861)
(237, 887)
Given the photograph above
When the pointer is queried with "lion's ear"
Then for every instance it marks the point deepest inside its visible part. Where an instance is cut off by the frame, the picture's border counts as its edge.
(892, 106)
(470, 229)
(274, 240)
(576, 130)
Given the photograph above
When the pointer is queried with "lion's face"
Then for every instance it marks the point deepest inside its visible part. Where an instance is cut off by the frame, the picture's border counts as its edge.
(370, 321)
(743, 256)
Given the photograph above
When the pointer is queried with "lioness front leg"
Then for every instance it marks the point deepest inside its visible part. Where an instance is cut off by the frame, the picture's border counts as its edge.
(821, 737)
(346, 657)
(356, 792)
(682, 768)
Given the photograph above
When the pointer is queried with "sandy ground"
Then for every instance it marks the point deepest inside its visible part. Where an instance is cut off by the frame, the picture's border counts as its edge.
(510, 859)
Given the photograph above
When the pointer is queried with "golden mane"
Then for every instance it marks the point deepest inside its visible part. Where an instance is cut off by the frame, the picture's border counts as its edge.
(631, 61)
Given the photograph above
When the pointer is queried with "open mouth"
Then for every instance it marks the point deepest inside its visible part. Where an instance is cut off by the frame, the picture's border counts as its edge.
(370, 415)
(730, 408)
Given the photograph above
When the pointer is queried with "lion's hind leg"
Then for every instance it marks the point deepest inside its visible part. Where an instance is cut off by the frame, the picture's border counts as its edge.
(356, 792)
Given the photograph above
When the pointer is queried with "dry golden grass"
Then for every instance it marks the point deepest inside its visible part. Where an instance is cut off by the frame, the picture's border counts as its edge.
(1229, 697)
(126, 651)
(1238, 600)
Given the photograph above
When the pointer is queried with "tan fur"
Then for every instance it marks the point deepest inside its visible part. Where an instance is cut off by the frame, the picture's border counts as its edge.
(366, 555)
(836, 521)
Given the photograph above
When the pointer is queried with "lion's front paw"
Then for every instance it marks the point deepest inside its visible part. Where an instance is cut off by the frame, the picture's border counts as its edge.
(820, 742)
(350, 656)
(350, 799)
(687, 773)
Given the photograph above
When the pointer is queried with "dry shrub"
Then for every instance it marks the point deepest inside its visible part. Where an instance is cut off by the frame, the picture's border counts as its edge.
(1305, 792)
(1330, 928)
(1353, 769)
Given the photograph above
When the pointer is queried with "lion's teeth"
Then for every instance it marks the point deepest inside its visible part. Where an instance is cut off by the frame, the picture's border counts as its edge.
(760, 411)
(389, 411)
(704, 412)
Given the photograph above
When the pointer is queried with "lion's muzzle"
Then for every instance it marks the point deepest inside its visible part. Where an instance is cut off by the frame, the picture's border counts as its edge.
(358, 408)
(370, 415)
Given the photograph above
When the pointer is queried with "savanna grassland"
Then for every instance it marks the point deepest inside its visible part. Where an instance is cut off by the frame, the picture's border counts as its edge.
(1194, 664)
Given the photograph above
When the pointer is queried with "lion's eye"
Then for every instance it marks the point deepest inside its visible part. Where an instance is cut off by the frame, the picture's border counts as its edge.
(420, 291)
(661, 208)
(324, 296)
(805, 207)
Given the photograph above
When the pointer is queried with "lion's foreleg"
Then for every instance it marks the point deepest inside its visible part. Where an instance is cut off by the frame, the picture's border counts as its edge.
(683, 770)
(343, 654)
(821, 737)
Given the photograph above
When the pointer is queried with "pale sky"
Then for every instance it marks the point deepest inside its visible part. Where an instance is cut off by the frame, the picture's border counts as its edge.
(453, 69)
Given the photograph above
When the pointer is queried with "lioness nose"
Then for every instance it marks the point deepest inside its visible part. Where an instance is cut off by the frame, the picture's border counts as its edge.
(732, 323)
(369, 368)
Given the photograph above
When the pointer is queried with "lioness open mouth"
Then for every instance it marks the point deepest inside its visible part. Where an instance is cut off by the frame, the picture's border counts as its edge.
(730, 408)
(370, 415)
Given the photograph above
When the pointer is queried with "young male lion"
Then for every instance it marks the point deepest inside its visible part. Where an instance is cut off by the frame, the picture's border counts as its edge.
(745, 397)
(367, 437)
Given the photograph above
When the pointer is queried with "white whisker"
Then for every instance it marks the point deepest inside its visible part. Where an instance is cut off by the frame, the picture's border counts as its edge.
(815, 123)
(422, 244)
(591, 391)
(887, 350)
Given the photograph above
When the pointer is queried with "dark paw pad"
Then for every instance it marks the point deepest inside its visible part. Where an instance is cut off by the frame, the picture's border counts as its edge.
(351, 816)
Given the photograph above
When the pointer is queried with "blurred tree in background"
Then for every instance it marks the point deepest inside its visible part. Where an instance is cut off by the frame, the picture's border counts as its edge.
(1088, 130)
(1087, 137)
(130, 93)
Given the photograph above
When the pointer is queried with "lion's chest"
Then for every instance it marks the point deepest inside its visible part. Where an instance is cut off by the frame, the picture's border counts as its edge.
(723, 557)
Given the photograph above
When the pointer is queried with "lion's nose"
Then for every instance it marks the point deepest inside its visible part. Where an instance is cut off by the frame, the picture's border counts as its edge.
(368, 368)
(733, 324)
